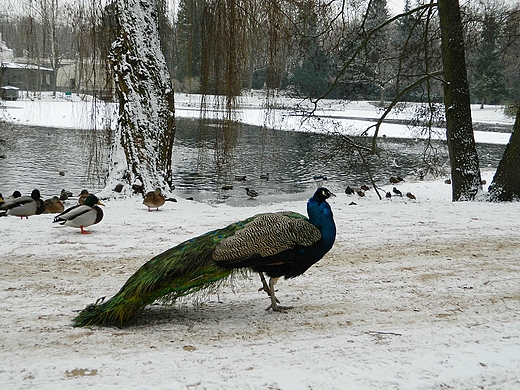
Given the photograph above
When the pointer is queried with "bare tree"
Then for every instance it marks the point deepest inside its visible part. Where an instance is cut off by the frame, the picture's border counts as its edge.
(142, 148)
(45, 14)
(506, 182)
(465, 171)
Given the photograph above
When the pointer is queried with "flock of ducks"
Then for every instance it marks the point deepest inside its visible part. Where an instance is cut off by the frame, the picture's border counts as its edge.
(320, 178)
(249, 191)
(81, 215)
(395, 191)
(85, 213)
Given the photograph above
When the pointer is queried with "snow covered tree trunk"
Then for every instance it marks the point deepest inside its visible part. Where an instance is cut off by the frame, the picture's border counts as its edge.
(506, 182)
(465, 171)
(141, 158)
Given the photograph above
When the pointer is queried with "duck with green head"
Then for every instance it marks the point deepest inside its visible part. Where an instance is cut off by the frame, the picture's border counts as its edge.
(82, 216)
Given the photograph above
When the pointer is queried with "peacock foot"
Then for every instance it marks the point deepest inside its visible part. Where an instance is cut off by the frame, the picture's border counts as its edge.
(279, 308)
(274, 301)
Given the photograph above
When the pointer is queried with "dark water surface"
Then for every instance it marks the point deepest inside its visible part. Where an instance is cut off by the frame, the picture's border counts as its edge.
(208, 156)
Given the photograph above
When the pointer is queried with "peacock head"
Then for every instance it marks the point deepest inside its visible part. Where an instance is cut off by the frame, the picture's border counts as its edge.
(322, 194)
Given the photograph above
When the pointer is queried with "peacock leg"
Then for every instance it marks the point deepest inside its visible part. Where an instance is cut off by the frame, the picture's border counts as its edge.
(265, 286)
(274, 302)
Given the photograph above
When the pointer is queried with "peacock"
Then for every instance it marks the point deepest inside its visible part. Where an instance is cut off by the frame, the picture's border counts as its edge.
(276, 244)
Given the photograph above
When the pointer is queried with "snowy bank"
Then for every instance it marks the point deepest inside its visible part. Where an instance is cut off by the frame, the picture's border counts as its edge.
(415, 294)
(287, 114)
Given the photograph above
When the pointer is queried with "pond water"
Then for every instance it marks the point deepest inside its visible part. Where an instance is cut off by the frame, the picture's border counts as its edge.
(208, 156)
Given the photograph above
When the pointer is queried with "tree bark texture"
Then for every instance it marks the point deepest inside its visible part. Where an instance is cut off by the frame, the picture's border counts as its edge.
(506, 182)
(465, 172)
(146, 124)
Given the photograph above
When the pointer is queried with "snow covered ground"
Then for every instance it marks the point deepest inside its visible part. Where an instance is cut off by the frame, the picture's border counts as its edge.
(415, 294)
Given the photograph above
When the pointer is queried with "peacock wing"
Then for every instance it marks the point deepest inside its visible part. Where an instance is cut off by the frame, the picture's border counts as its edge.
(267, 235)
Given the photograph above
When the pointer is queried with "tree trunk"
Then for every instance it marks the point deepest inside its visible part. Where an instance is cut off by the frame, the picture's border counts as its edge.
(506, 182)
(141, 157)
(465, 172)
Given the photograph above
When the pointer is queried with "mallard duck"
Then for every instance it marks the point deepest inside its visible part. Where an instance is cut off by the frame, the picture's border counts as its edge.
(319, 178)
(410, 195)
(154, 199)
(397, 192)
(396, 179)
(15, 194)
(65, 194)
(83, 196)
(24, 206)
(82, 215)
(53, 205)
(251, 193)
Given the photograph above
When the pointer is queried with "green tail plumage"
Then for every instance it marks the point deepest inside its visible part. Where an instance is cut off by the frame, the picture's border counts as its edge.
(179, 271)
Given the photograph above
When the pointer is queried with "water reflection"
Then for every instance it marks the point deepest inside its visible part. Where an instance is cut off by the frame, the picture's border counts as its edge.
(208, 156)
(46, 158)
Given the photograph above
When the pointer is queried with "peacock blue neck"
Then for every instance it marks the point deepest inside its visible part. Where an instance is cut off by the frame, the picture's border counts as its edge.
(320, 215)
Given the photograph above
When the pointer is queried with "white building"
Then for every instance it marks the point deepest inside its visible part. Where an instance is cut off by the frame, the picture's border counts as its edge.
(6, 54)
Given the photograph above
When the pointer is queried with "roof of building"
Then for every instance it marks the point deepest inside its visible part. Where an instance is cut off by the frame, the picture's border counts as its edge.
(16, 65)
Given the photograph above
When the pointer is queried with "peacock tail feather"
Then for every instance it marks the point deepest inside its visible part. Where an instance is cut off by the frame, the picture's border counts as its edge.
(179, 271)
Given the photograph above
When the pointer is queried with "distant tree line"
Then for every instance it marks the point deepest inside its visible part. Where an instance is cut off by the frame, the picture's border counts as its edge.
(225, 46)
(301, 45)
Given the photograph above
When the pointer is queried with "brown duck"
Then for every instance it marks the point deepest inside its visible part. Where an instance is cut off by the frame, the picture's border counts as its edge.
(154, 199)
